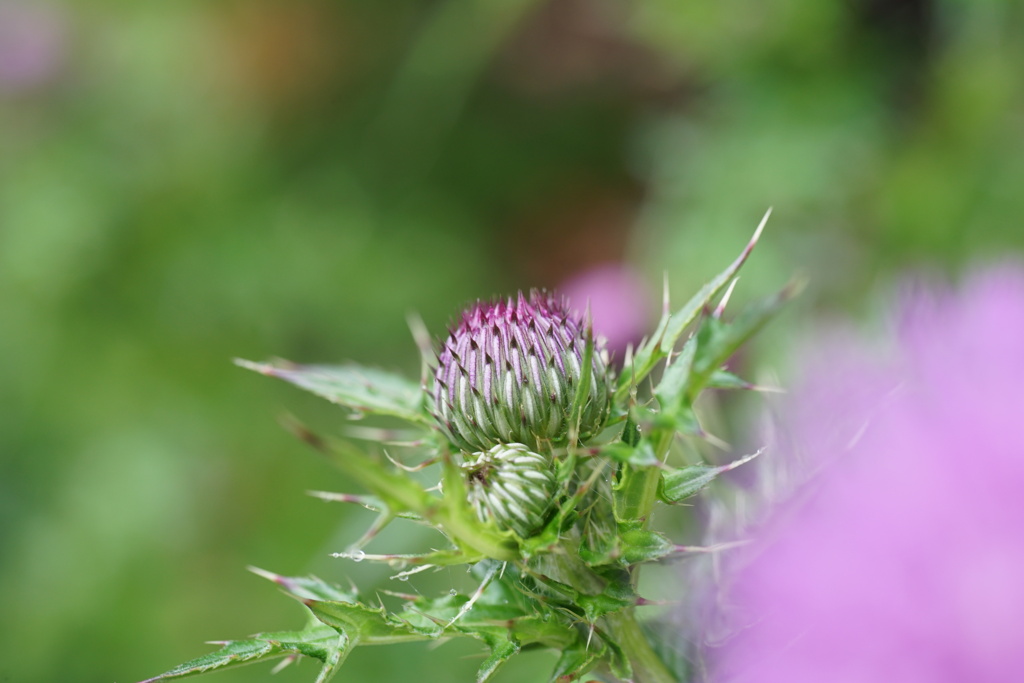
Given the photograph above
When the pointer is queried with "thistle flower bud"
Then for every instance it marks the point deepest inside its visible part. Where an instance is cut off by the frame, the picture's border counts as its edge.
(511, 486)
(509, 373)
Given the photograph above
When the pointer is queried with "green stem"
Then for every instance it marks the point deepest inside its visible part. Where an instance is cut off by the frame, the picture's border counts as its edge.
(638, 491)
(625, 631)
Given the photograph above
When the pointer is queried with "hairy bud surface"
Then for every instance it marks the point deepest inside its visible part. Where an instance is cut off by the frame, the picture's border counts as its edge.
(511, 486)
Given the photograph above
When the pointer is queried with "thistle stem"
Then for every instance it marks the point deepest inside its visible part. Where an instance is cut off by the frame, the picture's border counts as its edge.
(639, 491)
(625, 631)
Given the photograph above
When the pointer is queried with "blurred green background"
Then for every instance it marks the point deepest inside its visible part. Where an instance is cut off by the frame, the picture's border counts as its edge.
(182, 183)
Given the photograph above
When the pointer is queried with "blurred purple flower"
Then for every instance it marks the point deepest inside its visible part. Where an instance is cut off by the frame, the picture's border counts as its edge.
(903, 558)
(32, 43)
(620, 305)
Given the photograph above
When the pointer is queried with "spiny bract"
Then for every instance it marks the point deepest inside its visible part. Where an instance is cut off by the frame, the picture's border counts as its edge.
(509, 371)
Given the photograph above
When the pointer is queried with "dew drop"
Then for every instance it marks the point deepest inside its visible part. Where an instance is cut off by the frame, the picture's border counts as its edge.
(453, 592)
(403, 577)
(357, 555)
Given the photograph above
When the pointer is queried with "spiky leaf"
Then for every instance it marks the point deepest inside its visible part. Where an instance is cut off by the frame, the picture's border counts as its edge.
(316, 641)
(640, 455)
(682, 483)
(577, 660)
(401, 493)
(671, 390)
(717, 340)
(361, 389)
(723, 379)
(642, 545)
(502, 650)
(671, 326)
(368, 625)
(308, 587)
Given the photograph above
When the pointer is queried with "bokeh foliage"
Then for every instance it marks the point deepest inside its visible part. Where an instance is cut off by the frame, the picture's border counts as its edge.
(194, 181)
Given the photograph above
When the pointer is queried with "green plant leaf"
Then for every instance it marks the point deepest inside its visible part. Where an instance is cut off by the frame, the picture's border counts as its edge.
(316, 641)
(723, 379)
(671, 326)
(308, 587)
(368, 625)
(718, 340)
(397, 490)
(501, 611)
(617, 659)
(682, 483)
(401, 493)
(582, 396)
(597, 606)
(502, 650)
(671, 390)
(362, 390)
(566, 575)
(577, 659)
(640, 455)
(638, 545)
(436, 558)
(335, 658)
(632, 545)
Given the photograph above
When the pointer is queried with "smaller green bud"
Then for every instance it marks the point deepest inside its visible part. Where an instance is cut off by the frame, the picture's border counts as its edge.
(511, 486)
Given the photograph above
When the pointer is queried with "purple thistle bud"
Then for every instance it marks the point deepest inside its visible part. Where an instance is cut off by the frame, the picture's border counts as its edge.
(509, 372)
